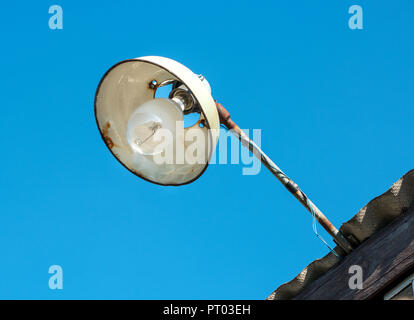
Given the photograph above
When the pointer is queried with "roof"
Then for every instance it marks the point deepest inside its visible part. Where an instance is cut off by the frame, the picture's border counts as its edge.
(378, 213)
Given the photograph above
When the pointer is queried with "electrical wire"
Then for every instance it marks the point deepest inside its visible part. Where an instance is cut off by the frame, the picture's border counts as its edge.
(315, 230)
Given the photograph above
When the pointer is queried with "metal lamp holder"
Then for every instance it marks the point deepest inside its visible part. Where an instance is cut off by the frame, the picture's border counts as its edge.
(133, 82)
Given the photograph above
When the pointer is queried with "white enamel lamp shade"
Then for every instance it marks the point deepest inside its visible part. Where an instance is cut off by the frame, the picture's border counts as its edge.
(124, 88)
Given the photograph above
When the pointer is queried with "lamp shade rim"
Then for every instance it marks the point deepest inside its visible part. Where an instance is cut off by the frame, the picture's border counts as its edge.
(210, 118)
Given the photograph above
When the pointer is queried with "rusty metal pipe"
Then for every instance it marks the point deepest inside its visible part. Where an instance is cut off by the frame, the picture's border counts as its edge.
(283, 178)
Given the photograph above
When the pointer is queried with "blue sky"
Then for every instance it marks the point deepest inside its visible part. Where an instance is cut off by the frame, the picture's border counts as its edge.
(335, 107)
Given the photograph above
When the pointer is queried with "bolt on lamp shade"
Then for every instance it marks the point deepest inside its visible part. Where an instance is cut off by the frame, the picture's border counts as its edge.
(127, 111)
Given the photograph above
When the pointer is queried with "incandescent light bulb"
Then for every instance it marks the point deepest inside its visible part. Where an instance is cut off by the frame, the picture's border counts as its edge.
(147, 120)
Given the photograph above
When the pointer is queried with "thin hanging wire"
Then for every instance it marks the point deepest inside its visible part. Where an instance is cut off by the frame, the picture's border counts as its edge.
(315, 230)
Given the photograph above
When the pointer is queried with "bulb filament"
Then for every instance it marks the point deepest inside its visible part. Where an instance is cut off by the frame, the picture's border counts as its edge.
(155, 126)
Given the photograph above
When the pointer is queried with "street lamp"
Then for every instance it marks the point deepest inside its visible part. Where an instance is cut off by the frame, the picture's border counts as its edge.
(143, 131)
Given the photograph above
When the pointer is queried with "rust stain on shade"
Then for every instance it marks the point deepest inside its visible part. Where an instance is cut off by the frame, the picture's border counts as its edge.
(109, 142)
(106, 137)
